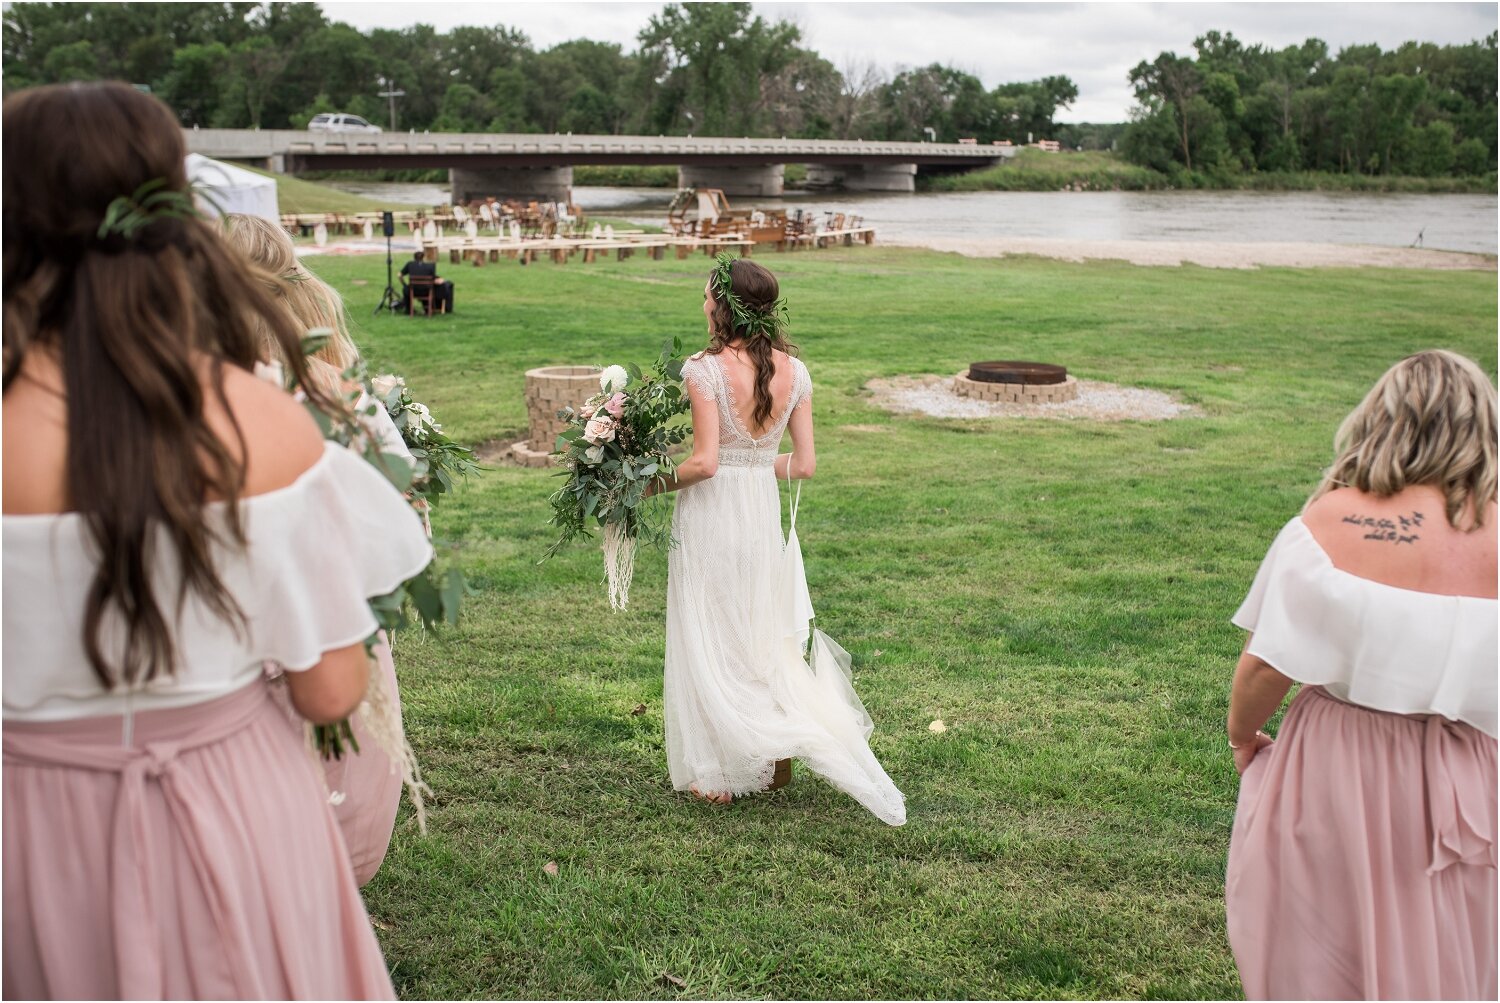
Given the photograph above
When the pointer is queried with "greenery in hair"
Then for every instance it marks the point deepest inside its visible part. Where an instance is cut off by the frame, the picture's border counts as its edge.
(153, 200)
(766, 322)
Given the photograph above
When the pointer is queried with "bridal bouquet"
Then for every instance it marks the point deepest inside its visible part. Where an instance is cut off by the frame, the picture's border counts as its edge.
(616, 444)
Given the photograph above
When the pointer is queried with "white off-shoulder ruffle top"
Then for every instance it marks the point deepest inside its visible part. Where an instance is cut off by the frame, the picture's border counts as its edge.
(316, 551)
(1368, 643)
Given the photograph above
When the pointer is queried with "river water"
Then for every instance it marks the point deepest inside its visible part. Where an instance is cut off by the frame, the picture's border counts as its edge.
(1445, 222)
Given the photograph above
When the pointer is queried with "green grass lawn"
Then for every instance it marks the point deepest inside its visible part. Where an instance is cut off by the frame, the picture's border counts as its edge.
(1057, 592)
(294, 195)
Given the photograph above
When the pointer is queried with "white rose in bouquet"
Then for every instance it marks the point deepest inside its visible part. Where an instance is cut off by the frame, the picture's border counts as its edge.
(599, 429)
(613, 378)
(594, 454)
(385, 384)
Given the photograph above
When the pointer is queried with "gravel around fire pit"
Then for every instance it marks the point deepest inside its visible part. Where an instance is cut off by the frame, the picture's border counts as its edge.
(934, 396)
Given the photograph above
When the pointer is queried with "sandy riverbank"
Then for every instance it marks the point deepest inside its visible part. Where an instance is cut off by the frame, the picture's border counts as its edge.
(1210, 254)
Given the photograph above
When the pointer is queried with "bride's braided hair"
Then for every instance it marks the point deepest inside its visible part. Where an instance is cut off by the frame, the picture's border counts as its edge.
(749, 310)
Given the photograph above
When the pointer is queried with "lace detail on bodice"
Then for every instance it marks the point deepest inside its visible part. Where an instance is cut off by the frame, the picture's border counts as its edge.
(737, 448)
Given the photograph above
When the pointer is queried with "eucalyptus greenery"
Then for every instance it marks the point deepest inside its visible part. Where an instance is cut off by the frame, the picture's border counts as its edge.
(607, 481)
(439, 461)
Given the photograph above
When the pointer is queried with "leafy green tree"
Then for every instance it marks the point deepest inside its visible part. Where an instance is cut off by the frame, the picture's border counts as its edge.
(1395, 98)
(952, 103)
(470, 55)
(465, 109)
(804, 98)
(714, 59)
(1174, 81)
(1472, 157)
(1151, 138)
(191, 87)
(74, 61)
(256, 66)
(590, 111)
(1432, 149)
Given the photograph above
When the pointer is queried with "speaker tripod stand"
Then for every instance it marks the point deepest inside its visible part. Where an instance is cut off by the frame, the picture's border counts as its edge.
(389, 298)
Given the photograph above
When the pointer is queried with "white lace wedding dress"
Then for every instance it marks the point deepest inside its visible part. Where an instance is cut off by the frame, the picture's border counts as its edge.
(739, 693)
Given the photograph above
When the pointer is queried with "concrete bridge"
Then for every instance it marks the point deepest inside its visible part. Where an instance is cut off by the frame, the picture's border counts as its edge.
(536, 166)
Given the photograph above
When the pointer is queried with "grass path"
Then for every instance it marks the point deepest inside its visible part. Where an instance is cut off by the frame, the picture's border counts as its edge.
(1058, 593)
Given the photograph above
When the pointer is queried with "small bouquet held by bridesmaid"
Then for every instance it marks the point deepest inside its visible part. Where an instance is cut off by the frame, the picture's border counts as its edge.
(616, 444)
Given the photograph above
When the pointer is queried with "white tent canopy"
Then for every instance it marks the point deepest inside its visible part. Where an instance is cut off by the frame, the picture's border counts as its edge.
(228, 188)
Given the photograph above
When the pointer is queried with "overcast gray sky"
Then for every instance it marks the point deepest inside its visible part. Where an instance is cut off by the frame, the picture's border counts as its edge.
(1094, 43)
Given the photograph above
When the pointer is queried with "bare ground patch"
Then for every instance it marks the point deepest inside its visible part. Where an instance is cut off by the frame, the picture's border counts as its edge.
(1211, 254)
(496, 452)
(933, 396)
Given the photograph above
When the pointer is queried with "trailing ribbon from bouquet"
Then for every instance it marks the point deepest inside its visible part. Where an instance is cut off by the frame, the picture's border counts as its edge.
(619, 564)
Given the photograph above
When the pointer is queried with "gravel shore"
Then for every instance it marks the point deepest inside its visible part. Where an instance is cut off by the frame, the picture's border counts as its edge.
(1210, 254)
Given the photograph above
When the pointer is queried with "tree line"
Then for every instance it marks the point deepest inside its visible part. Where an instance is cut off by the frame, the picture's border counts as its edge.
(720, 69)
(712, 69)
(1422, 109)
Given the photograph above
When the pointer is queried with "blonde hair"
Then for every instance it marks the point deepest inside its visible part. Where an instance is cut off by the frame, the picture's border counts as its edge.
(1429, 420)
(310, 302)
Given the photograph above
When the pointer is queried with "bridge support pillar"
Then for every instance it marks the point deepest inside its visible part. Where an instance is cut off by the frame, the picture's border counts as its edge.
(863, 177)
(756, 180)
(539, 184)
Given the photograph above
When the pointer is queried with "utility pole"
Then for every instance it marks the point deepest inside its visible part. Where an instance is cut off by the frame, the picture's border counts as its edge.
(391, 92)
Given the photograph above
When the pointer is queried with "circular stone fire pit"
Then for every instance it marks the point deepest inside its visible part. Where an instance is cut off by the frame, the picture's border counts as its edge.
(1016, 382)
(549, 390)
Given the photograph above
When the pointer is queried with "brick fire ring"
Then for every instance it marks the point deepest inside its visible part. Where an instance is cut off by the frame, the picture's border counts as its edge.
(549, 390)
(1016, 383)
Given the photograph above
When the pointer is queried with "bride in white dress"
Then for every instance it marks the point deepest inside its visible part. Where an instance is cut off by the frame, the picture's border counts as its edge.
(742, 688)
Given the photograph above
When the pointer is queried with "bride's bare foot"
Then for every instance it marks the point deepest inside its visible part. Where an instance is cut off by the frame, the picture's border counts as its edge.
(711, 798)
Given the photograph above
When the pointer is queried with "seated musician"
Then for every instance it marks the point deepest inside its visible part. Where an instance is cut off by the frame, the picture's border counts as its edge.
(418, 266)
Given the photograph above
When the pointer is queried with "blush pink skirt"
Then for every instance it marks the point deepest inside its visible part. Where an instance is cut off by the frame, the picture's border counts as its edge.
(1362, 863)
(201, 861)
(366, 787)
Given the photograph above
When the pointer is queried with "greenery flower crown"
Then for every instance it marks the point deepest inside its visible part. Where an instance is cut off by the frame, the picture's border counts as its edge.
(766, 322)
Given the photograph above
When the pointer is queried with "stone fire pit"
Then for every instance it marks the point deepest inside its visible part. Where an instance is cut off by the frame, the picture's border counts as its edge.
(549, 390)
(1016, 383)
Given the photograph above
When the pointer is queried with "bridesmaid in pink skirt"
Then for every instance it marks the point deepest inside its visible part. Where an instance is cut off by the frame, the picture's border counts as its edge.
(365, 786)
(1362, 862)
(171, 522)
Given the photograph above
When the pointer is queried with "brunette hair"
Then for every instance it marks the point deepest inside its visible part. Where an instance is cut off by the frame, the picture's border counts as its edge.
(1429, 420)
(308, 301)
(131, 316)
(757, 289)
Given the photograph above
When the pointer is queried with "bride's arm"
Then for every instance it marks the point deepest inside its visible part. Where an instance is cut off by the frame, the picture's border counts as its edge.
(704, 462)
(802, 461)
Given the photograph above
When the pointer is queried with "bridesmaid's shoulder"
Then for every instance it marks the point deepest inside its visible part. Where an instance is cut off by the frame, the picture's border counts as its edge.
(282, 441)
